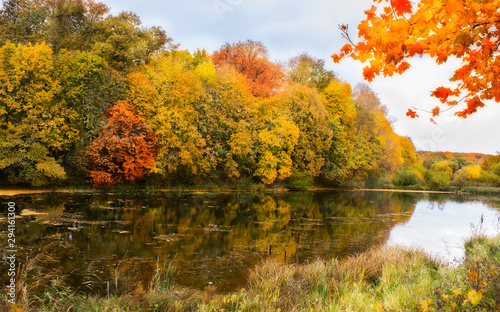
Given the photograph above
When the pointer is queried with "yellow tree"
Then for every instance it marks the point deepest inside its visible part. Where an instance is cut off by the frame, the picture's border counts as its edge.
(143, 95)
(463, 29)
(35, 123)
(307, 110)
(182, 150)
(337, 99)
(277, 138)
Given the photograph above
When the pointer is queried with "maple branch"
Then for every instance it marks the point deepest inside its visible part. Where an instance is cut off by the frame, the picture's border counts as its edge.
(344, 29)
(441, 111)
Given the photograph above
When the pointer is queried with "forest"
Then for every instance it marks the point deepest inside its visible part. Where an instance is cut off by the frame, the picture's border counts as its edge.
(92, 98)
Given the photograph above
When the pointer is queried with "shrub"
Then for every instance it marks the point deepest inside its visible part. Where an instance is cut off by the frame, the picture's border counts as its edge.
(443, 166)
(300, 180)
(437, 180)
(469, 173)
(496, 169)
(406, 176)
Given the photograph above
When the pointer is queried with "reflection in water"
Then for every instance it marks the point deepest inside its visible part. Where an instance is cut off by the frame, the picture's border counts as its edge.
(446, 226)
(209, 237)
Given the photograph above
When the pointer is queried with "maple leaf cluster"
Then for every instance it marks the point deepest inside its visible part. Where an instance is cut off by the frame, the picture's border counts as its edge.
(465, 29)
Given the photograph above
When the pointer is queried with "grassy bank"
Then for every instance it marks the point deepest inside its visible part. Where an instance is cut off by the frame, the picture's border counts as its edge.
(482, 190)
(381, 279)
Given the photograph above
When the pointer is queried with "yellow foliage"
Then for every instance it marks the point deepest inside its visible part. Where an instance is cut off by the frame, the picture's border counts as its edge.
(425, 305)
(469, 173)
(443, 166)
(474, 297)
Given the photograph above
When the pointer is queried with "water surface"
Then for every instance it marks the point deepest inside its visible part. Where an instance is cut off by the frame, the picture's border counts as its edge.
(216, 238)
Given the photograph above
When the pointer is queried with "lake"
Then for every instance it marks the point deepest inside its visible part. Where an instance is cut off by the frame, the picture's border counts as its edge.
(93, 239)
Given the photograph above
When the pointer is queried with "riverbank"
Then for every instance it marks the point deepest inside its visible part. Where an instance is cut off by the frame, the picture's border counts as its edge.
(14, 192)
(380, 279)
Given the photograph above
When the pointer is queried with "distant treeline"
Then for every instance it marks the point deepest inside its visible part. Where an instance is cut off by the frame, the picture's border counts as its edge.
(90, 96)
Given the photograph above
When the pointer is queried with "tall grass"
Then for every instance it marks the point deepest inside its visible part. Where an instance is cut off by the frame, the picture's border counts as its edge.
(380, 279)
(482, 190)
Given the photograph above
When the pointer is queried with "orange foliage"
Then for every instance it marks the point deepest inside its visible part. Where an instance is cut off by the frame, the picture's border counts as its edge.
(411, 113)
(464, 29)
(125, 149)
(401, 6)
(251, 60)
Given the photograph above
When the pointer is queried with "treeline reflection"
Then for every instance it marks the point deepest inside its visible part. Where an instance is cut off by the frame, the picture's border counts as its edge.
(208, 237)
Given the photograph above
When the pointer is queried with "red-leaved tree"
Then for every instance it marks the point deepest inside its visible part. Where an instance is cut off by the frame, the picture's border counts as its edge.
(124, 151)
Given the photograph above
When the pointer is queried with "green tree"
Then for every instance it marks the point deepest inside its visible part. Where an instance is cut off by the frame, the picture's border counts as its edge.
(123, 43)
(81, 78)
(22, 21)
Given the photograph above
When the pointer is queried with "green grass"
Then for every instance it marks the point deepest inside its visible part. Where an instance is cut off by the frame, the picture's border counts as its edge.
(482, 190)
(380, 279)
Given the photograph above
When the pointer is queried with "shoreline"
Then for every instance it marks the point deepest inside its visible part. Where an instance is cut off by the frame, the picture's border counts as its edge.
(14, 192)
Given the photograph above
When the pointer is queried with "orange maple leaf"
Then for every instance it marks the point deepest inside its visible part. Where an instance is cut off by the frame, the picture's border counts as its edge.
(472, 106)
(473, 275)
(462, 72)
(435, 111)
(369, 73)
(401, 6)
(346, 49)
(442, 93)
(411, 113)
(364, 30)
(403, 67)
(417, 48)
(371, 13)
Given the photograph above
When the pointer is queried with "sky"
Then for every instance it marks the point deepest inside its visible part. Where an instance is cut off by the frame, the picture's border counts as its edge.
(289, 27)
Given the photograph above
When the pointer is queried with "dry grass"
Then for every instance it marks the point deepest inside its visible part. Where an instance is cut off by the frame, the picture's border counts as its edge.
(380, 279)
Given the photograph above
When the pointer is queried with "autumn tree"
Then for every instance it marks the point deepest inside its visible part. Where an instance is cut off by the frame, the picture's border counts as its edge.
(183, 154)
(467, 30)
(68, 24)
(229, 121)
(143, 95)
(81, 76)
(310, 71)
(84, 25)
(22, 21)
(307, 110)
(35, 122)
(337, 99)
(377, 149)
(124, 43)
(251, 59)
(125, 150)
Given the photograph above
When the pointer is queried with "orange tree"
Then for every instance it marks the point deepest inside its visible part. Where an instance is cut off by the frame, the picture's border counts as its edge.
(250, 58)
(124, 151)
(464, 29)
